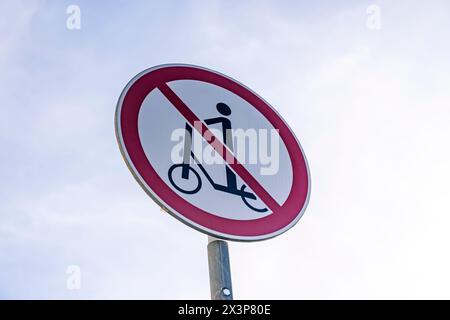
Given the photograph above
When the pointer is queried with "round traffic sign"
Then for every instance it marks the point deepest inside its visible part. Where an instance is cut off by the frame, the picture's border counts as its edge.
(212, 153)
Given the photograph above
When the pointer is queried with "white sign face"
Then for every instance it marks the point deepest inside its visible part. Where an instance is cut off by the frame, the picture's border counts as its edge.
(212, 152)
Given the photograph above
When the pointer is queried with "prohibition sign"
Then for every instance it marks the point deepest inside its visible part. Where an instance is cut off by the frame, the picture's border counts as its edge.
(155, 92)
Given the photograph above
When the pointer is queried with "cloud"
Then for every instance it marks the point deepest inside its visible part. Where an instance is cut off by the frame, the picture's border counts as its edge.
(369, 108)
(16, 19)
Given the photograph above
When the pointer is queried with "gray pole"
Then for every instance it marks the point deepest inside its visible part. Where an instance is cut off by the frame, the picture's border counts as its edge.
(219, 270)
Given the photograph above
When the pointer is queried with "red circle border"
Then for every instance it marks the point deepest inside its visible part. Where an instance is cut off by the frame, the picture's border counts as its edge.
(269, 226)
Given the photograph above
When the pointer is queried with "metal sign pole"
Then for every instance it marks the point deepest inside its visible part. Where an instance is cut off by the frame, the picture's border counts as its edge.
(219, 269)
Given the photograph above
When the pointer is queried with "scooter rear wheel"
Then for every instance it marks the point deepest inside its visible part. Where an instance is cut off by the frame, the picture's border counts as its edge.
(248, 204)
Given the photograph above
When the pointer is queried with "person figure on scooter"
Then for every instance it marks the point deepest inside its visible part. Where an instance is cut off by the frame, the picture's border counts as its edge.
(227, 137)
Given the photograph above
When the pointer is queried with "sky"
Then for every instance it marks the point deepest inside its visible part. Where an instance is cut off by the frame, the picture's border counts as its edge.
(368, 102)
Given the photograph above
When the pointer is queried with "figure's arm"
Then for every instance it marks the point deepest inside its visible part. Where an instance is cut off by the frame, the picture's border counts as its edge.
(213, 120)
(226, 129)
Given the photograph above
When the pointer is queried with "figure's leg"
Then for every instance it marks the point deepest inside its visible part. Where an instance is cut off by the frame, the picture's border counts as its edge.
(228, 136)
(231, 179)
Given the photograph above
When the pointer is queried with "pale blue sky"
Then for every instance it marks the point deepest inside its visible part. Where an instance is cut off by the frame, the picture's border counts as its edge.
(370, 108)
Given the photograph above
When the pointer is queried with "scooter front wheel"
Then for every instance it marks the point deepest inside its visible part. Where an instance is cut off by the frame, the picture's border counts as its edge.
(197, 185)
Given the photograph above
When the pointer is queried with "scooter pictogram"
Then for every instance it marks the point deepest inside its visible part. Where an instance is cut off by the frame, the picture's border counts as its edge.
(186, 167)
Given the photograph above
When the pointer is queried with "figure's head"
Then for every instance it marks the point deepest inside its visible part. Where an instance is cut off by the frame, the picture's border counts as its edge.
(223, 109)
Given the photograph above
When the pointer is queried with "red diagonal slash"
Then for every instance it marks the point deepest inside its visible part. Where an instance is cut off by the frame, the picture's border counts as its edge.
(219, 147)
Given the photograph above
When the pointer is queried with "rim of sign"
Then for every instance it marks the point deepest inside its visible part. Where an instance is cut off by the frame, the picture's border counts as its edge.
(162, 203)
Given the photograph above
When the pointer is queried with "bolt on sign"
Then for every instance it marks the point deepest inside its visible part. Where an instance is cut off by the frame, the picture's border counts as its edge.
(212, 153)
